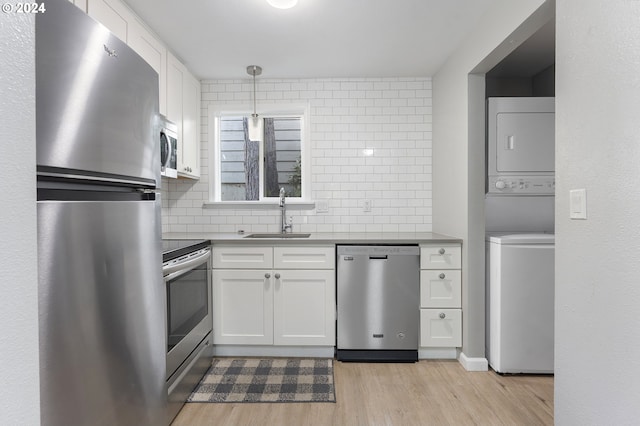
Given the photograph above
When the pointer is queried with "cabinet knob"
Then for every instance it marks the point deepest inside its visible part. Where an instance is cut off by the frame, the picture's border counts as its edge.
(441, 276)
(442, 315)
(441, 251)
(267, 275)
(277, 276)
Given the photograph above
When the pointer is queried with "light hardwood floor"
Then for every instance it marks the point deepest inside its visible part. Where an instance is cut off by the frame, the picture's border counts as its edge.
(424, 393)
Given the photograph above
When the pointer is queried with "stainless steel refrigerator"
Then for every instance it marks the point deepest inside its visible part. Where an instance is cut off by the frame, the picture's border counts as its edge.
(101, 292)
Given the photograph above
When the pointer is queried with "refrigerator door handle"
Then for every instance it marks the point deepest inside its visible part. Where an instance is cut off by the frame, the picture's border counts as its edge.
(96, 179)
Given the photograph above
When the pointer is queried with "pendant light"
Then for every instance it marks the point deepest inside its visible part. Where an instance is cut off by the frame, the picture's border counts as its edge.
(255, 123)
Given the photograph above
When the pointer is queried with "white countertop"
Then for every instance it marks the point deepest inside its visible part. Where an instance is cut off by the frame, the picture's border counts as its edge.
(320, 238)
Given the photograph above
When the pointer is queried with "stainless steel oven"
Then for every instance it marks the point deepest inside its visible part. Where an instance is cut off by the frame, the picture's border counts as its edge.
(187, 275)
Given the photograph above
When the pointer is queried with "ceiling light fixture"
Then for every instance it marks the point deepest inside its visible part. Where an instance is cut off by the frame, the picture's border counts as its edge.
(282, 4)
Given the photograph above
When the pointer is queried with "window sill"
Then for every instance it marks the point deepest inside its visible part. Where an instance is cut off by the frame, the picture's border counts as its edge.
(258, 205)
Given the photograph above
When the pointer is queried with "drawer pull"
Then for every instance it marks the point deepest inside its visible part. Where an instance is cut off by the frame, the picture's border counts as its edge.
(267, 275)
(277, 276)
(442, 315)
(441, 276)
(441, 251)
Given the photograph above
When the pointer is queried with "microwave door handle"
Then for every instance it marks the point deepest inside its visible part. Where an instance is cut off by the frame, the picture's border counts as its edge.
(182, 268)
(170, 151)
(164, 146)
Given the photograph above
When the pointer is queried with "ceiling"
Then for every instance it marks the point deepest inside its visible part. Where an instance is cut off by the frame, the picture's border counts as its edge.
(316, 39)
(532, 56)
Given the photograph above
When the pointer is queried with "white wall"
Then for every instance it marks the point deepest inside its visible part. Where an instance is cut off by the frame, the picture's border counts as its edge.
(458, 187)
(597, 364)
(20, 392)
(390, 118)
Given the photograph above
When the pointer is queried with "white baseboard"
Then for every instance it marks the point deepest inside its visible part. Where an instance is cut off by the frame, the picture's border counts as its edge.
(274, 351)
(473, 364)
(437, 353)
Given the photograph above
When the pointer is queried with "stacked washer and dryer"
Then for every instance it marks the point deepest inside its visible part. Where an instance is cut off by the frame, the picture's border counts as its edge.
(520, 243)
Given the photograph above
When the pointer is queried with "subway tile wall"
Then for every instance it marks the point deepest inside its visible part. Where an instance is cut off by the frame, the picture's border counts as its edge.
(370, 144)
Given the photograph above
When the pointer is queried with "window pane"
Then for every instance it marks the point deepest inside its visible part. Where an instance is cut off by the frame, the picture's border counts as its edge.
(282, 160)
(238, 161)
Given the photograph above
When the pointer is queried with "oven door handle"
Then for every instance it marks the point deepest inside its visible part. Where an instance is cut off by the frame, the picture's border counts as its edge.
(174, 271)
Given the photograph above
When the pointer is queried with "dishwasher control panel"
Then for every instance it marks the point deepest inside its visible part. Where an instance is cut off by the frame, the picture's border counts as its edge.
(349, 251)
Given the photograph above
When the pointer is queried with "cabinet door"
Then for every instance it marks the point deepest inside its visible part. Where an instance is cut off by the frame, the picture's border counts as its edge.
(82, 4)
(441, 328)
(304, 307)
(175, 75)
(113, 15)
(440, 289)
(189, 150)
(242, 307)
(153, 51)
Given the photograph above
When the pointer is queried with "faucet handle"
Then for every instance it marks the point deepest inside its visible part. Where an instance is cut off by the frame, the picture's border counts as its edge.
(289, 226)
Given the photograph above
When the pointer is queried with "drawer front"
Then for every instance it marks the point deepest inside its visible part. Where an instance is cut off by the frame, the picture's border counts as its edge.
(441, 328)
(445, 256)
(304, 257)
(440, 289)
(241, 257)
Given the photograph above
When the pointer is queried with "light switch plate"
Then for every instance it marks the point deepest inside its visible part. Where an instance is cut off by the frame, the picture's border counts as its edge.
(322, 206)
(578, 203)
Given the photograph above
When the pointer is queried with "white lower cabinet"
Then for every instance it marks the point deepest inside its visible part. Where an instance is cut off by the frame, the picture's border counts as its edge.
(243, 307)
(440, 296)
(304, 307)
(282, 307)
(441, 328)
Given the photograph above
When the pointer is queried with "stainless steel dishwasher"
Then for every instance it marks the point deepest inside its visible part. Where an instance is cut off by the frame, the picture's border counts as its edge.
(378, 298)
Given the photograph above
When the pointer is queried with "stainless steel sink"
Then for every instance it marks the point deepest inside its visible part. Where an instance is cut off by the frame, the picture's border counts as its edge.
(278, 235)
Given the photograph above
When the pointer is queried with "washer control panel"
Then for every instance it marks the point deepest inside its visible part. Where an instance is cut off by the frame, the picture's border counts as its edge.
(522, 185)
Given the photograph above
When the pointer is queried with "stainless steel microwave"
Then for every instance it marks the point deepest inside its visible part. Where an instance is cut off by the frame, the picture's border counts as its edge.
(168, 148)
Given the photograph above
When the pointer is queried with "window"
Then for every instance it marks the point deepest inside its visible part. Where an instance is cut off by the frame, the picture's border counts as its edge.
(255, 157)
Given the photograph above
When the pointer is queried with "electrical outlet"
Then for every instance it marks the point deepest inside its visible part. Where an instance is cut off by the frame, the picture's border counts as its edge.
(366, 206)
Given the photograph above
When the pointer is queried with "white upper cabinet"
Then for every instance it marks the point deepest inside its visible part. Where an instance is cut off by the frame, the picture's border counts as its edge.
(82, 4)
(122, 22)
(179, 91)
(154, 52)
(183, 108)
(113, 14)
(190, 127)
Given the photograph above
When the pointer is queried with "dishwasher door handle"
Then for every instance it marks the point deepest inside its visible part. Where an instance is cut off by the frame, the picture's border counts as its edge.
(378, 257)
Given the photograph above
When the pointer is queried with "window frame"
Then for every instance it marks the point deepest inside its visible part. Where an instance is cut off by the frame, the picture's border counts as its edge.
(270, 110)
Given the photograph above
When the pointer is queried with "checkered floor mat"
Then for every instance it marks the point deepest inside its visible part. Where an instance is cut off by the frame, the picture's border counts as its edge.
(267, 380)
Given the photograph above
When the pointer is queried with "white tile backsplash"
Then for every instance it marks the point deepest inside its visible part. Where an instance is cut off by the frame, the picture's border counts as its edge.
(370, 140)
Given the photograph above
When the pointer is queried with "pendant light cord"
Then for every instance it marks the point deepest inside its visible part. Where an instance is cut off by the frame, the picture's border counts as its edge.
(255, 114)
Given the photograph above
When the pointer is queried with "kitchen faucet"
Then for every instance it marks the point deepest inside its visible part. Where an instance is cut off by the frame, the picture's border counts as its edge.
(284, 227)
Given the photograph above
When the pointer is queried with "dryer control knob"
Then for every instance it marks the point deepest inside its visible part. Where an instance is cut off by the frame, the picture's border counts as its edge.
(500, 184)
